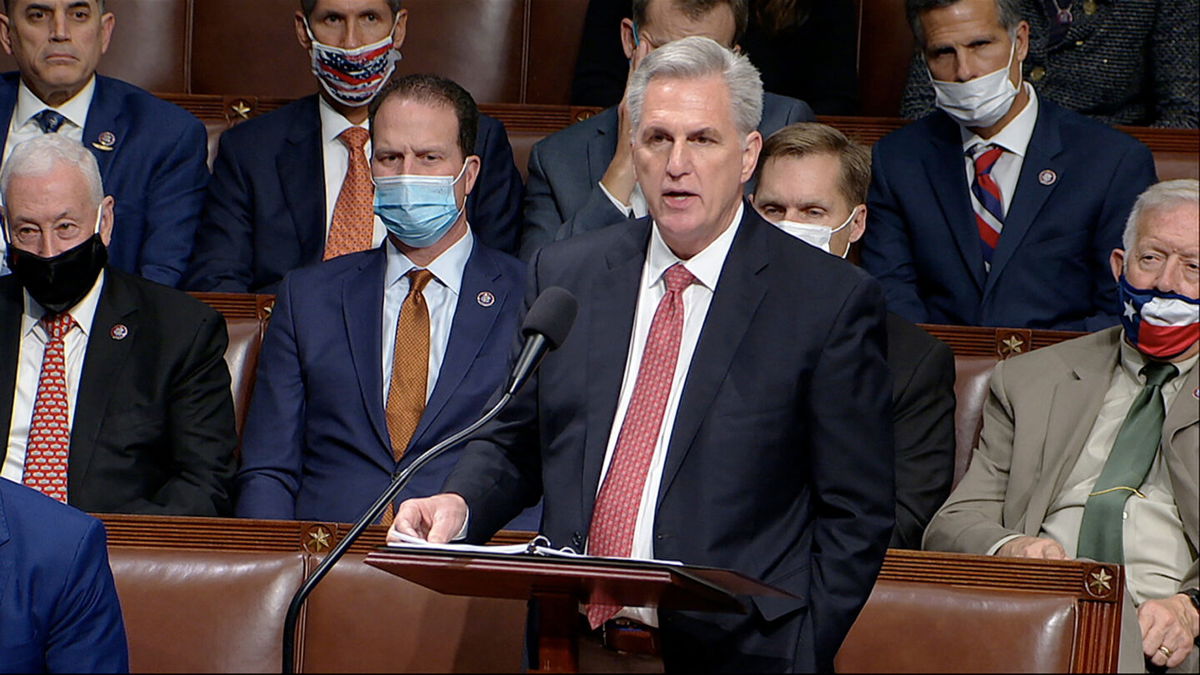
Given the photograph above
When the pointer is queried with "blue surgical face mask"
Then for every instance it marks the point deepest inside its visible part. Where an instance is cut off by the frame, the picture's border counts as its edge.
(418, 210)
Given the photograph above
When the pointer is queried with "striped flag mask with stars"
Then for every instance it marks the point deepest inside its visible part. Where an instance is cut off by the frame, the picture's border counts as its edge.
(353, 76)
(1160, 324)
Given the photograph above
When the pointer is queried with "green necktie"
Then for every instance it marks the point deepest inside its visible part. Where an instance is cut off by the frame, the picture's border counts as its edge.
(1125, 470)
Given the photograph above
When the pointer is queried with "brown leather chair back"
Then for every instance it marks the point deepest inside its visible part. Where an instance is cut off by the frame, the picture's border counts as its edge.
(555, 31)
(197, 611)
(246, 316)
(947, 612)
(971, 377)
(358, 608)
(885, 48)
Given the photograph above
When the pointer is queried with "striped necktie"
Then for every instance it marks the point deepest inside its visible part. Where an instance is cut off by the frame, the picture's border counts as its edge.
(987, 200)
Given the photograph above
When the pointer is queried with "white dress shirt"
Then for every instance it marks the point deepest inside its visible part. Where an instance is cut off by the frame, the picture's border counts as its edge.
(29, 369)
(636, 208)
(441, 297)
(336, 160)
(706, 267)
(22, 127)
(1014, 138)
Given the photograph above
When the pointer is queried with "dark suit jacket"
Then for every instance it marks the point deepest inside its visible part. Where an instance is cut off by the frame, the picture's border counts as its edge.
(1051, 268)
(156, 170)
(923, 423)
(265, 213)
(316, 443)
(564, 196)
(780, 462)
(58, 604)
(153, 427)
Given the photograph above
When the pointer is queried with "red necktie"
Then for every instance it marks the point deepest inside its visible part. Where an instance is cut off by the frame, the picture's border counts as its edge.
(617, 505)
(50, 430)
(354, 214)
(988, 202)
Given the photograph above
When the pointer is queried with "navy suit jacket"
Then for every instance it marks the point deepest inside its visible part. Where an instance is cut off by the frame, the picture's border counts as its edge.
(780, 463)
(265, 212)
(58, 604)
(156, 170)
(1078, 182)
(564, 196)
(153, 428)
(316, 445)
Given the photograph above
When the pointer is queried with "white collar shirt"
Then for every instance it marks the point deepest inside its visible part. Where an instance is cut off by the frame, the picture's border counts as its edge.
(706, 266)
(29, 369)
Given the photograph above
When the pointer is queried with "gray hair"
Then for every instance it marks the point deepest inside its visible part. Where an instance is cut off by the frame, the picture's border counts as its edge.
(696, 57)
(1010, 15)
(1157, 196)
(39, 156)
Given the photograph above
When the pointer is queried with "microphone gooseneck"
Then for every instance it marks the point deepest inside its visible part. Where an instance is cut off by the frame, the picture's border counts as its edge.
(546, 326)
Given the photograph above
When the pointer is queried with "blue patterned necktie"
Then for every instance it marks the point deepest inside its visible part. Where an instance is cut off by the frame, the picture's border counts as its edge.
(49, 121)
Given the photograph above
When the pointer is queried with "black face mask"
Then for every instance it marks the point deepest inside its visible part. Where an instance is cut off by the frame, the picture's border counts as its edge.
(60, 282)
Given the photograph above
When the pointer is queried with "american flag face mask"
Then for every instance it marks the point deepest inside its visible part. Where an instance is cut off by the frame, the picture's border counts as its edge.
(353, 76)
(1160, 324)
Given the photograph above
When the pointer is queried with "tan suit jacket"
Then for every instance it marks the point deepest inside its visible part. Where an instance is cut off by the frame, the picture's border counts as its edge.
(1039, 413)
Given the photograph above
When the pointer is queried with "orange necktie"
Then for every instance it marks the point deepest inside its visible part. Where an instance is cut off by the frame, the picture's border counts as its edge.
(354, 214)
(410, 369)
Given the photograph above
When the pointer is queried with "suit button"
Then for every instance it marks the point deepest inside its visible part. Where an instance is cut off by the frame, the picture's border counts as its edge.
(1037, 74)
(576, 540)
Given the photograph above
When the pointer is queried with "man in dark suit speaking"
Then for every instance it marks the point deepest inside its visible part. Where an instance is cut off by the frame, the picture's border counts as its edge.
(723, 399)
(114, 393)
(152, 154)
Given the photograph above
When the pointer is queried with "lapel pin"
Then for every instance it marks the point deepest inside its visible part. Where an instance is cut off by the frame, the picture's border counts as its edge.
(1196, 392)
(1047, 177)
(119, 331)
(105, 142)
(485, 299)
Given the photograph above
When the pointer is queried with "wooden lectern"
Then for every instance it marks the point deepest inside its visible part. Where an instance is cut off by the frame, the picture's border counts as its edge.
(560, 584)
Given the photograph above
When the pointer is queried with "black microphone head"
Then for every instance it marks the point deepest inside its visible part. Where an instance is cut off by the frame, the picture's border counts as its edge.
(551, 315)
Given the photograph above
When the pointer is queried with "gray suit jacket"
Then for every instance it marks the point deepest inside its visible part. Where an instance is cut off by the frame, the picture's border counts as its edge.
(563, 195)
(1037, 418)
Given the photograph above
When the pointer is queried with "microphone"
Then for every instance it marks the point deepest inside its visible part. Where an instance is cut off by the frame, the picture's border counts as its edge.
(545, 327)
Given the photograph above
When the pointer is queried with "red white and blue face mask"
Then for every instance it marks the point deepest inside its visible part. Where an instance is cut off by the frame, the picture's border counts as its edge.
(353, 76)
(1159, 324)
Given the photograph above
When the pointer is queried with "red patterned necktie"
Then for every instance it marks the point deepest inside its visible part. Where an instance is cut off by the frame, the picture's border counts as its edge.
(988, 203)
(617, 505)
(50, 430)
(354, 214)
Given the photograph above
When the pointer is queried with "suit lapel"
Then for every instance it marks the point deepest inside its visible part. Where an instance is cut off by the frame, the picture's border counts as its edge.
(8, 104)
(947, 174)
(1073, 400)
(105, 129)
(302, 167)
(612, 302)
(1031, 194)
(739, 291)
(12, 308)
(1179, 449)
(472, 325)
(103, 361)
(603, 145)
(362, 311)
(1184, 410)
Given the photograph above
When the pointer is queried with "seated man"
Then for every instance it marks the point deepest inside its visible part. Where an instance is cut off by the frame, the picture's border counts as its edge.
(60, 612)
(1089, 447)
(152, 154)
(292, 188)
(1000, 209)
(113, 390)
(373, 358)
(581, 178)
(812, 183)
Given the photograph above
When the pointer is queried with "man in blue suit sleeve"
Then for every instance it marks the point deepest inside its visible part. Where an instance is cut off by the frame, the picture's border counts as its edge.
(152, 154)
(999, 209)
(278, 179)
(59, 611)
(374, 357)
(581, 178)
